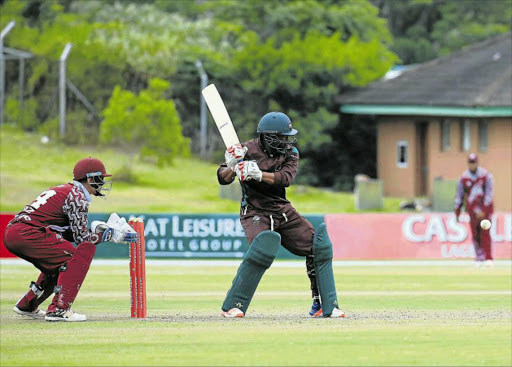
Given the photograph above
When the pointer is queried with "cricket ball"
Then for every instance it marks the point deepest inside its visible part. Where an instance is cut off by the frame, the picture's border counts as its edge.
(485, 224)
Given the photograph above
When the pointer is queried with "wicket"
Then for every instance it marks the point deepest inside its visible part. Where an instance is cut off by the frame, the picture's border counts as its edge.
(138, 271)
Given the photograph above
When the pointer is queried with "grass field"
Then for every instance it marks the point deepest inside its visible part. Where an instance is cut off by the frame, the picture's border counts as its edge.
(27, 167)
(424, 315)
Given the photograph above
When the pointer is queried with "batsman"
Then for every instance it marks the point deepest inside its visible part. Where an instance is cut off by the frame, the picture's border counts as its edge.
(265, 167)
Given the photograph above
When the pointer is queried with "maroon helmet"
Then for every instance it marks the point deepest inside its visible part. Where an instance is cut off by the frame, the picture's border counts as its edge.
(89, 167)
(472, 158)
(95, 169)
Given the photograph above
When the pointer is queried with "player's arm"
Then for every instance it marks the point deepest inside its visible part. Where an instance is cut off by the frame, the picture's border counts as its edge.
(285, 176)
(225, 175)
(459, 194)
(249, 170)
(268, 177)
(485, 207)
(76, 207)
(233, 154)
(489, 192)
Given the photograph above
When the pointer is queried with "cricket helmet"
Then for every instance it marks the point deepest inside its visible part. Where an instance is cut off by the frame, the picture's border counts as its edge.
(276, 132)
(276, 123)
(95, 169)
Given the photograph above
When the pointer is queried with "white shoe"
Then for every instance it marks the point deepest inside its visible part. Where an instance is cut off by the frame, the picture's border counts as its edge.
(234, 312)
(65, 315)
(489, 263)
(337, 313)
(36, 314)
(478, 264)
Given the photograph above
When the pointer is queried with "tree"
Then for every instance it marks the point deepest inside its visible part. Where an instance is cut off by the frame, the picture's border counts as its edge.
(147, 121)
(425, 29)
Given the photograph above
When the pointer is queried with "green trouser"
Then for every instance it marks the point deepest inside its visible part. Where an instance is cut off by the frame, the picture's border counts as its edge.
(257, 260)
(322, 252)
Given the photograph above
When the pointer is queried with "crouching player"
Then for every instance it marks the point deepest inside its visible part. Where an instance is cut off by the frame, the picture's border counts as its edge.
(42, 234)
(265, 166)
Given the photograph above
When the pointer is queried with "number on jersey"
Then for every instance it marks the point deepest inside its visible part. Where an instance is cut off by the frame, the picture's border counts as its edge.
(42, 199)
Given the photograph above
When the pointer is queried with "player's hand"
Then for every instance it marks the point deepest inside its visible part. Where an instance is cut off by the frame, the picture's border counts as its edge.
(98, 226)
(101, 229)
(107, 235)
(234, 154)
(119, 236)
(480, 215)
(120, 230)
(248, 170)
(457, 214)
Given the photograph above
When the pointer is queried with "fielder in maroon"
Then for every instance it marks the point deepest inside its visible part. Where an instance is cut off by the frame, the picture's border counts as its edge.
(42, 234)
(475, 192)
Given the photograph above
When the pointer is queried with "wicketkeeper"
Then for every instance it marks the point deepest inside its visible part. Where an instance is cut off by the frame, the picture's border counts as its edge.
(265, 166)
(42, 234)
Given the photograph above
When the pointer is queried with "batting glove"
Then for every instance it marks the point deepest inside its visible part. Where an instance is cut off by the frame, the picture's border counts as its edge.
(234, 154)
(248, 170)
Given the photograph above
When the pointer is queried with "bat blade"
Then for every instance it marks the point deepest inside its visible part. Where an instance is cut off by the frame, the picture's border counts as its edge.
(220, 115)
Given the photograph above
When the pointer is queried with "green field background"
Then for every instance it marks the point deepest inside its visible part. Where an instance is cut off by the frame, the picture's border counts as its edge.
(28, 167)
(423, 315)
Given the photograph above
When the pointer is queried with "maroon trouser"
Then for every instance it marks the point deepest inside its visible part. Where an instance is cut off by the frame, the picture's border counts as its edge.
(481, 238)
(63, 267)
(296, 234)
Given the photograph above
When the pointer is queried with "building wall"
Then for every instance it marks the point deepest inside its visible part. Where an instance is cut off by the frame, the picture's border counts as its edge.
(498, 159)
(448, 164)
(398, 182)
(499, 162)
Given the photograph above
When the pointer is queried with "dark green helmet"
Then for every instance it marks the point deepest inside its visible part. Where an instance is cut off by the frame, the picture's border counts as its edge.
(276, 123)
(276, 132)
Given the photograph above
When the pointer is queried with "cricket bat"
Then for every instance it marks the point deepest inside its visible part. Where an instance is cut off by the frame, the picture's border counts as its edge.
(220, 115)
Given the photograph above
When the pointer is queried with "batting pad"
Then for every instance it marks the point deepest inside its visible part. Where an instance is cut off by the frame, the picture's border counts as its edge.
(322, 252)
(257, 260)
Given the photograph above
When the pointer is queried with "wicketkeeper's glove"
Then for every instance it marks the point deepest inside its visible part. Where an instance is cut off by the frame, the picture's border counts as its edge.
(116, 230)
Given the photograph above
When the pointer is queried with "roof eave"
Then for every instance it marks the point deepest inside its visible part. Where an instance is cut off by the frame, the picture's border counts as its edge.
(361, 109)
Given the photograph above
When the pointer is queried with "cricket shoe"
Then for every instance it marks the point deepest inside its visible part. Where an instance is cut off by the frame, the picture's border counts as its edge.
(36, 314)
(64, 315)
(489, 263)
(337, 313)
(316, 308)
(234, 312)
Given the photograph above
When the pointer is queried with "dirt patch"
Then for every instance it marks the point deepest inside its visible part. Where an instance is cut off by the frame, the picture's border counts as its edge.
(395, 316)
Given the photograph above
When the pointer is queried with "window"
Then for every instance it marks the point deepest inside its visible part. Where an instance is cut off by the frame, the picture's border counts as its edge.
(465, 135)
(402, 154)
(445, 135)
(483, 136)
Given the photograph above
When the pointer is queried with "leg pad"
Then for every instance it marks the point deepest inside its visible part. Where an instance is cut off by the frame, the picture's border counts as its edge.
(257, 260)
(322, 252)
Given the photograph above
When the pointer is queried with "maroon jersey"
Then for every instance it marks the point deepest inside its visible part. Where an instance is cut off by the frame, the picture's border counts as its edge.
(63, 209)
(475, 191)
(260, 195)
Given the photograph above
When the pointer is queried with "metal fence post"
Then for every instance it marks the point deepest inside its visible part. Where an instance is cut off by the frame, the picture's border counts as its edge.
(62, 89)
(204, 83)
(4, 32)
